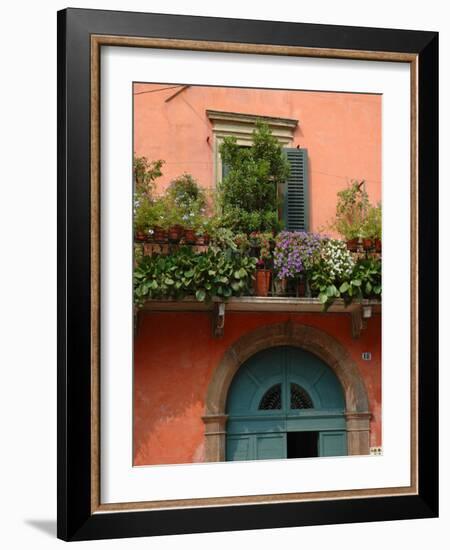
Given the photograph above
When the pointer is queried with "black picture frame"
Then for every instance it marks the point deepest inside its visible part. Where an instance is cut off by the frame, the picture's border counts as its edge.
(75, 518)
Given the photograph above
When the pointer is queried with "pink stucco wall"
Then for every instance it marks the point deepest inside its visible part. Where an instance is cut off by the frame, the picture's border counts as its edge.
(175, 357)
(341, 131)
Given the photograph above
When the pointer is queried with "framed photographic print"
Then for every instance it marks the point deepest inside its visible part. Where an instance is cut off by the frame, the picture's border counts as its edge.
(247, 274)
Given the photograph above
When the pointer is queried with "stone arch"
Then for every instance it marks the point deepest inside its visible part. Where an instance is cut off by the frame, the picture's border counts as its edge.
(309, 338)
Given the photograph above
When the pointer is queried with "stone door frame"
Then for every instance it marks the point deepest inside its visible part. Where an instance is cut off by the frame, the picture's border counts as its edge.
(309, 338)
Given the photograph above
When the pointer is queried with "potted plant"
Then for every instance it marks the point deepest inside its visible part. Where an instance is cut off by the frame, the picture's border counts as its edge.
(371, 229)
(145, 173)
(160, 221)
(186, 197)
(262, 279)
(173, 223)
(331, 273)
(143, 218)
(174, 233)
(248, 194)
(294, 255)
(352, 244)
(189, 234)
(203, 232)
(242, 241)
(368, 241)
(262, 243)
(351, 211)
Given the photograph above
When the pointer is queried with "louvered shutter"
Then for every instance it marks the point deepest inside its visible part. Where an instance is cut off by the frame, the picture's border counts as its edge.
(295, 209)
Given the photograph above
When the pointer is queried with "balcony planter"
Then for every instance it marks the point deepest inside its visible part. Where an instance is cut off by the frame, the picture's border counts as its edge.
(174, 234)
(262, 282)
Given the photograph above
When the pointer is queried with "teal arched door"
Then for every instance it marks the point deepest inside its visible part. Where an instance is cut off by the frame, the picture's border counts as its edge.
(284, 402)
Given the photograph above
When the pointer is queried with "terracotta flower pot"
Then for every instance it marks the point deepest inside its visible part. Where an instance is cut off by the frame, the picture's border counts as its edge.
(189, 236)
(301, 289)
(262, 282)
(202, 240)
(367, 244)
(352, 245)
(174, 234)
(378, 245)
(159, 235)
(140, 236)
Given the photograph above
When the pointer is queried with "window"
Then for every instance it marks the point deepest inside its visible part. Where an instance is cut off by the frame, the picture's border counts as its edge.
(300, 398)
(241, 125)
(271, 399)
(294, 193)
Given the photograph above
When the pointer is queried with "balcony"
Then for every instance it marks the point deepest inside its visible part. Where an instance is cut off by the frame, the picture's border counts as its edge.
(358, 311)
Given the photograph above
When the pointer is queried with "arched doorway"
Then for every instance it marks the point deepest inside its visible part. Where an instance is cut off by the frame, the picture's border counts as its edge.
(284, 402)
(311, 339)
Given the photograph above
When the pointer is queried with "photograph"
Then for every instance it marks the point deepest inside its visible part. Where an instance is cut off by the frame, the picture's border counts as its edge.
(257, 273)
(246, 308)
(231, 331)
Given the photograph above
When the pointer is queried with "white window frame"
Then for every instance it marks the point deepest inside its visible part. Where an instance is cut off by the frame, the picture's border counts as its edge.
(241, 126)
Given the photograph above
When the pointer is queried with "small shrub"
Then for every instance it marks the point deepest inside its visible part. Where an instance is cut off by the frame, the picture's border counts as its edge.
(248, 193)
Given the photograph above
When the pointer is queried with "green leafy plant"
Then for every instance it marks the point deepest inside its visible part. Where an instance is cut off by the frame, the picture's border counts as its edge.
(330, 269)
(150, 213)
(351, 210)
(204, 226)
(248, 193)
(261, 247)
(145, 174)
(223, 275)
(187, 200)
(371, 227)
(222, 238)
(146, 207)
(346, 278)
(215, 273)
(185, 191)
(242, 242)
(368, 271)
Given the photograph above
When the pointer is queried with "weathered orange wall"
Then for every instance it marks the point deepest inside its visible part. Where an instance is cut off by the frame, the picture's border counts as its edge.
(170, 385)
(341, 131)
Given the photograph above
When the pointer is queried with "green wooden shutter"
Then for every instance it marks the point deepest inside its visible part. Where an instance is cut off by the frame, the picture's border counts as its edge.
(295, 192)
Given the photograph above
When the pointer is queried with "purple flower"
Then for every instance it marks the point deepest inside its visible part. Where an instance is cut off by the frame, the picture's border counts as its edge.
(294, 251)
